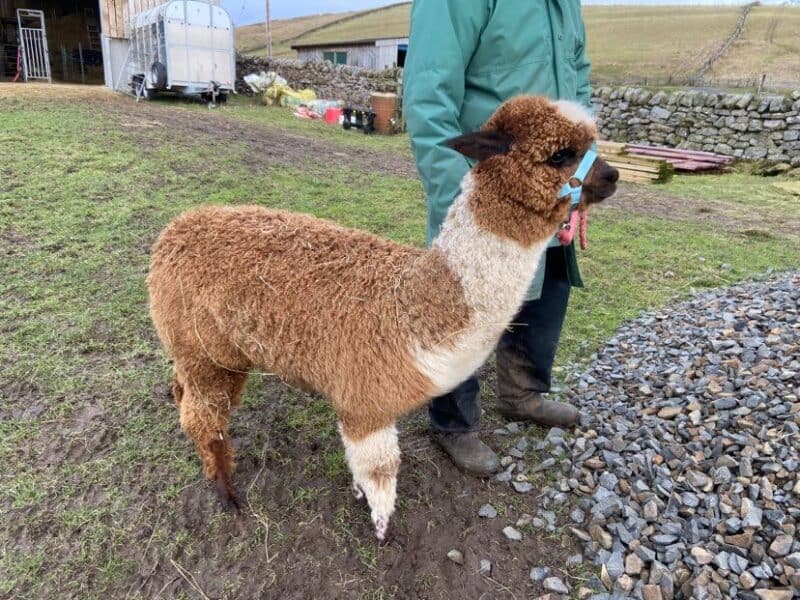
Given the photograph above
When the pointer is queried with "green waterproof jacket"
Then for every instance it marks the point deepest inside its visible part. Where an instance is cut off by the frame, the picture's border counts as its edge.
(466, 57)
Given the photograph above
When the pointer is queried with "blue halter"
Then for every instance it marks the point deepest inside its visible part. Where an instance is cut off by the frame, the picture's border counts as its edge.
(580, 174)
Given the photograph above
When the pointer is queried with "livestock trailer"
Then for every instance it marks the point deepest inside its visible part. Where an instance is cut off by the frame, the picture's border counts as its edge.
(183, 46)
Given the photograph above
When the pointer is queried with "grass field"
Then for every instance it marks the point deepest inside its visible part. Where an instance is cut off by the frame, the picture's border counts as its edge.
(386, 22)
(656, 45)
(101, 494)
(769, 44)
(250, 39)
(653, 43)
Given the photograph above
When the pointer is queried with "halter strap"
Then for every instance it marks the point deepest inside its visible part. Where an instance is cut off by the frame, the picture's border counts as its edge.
(580, 174)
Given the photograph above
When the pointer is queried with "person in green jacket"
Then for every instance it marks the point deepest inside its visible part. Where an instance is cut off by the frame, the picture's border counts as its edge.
(465, 58)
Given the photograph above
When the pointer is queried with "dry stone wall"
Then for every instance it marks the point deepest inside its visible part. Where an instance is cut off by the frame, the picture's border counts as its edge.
(353, 85)
(745, 126)
(741, 125)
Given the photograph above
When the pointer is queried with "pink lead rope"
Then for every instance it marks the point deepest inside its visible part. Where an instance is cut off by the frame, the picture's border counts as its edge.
(578, 220)
(578, 217)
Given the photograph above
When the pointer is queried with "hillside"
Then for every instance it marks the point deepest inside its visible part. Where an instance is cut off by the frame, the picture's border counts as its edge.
(251, 39)
(653, 43)
(390, 21)
(769, 44)
(656, 45)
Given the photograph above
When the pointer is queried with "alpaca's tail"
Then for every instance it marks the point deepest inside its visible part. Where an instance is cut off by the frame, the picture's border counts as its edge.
(177, 388)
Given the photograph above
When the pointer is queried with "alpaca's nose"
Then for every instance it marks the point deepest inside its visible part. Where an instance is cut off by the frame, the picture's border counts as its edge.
(610, 174)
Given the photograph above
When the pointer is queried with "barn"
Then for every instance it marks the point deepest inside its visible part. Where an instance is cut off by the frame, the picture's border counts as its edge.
(374, 39)
(73, 37)
(377, 53)
(84, 41)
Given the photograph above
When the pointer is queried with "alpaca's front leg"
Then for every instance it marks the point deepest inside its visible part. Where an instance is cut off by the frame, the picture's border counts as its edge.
(374, 460)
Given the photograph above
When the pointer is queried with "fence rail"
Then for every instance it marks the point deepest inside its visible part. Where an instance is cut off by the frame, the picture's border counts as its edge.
(760, 82)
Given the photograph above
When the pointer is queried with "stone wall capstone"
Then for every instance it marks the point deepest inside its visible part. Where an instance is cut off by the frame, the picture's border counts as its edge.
(352, 85)
(746, 126)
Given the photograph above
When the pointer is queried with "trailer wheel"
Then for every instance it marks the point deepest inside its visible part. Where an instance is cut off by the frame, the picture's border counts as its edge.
(158, 75)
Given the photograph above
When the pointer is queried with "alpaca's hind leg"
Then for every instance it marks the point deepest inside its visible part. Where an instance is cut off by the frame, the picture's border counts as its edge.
(207, 397)
(177, 387)
(374, 460)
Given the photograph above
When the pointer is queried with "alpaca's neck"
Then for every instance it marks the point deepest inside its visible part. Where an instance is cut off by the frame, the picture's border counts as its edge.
(495, 274)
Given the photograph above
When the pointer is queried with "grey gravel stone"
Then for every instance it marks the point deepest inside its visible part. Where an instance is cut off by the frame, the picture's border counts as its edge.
(615, 565)
(574, 560)
(523, 487)
(487, 511)
(688, 440)
(555, 585)
(781, 545)
(577, 516)
(512, 533)
(456, 556)
(485, 568)
(539, 573)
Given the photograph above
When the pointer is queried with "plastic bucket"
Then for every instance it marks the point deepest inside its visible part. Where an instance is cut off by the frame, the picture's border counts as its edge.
(332, 115)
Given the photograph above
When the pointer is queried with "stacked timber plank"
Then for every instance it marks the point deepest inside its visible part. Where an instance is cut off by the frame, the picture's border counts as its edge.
(649, 164)
(683, 160)
(634, 169)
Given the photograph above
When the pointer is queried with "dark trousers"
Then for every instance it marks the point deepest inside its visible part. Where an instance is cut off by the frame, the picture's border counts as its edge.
(534, 334)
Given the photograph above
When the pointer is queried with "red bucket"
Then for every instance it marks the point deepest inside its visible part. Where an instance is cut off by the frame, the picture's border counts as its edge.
(332, 115)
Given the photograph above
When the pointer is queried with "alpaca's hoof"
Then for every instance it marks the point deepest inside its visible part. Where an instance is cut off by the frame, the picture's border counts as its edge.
(357, 491)
(228, 496)
(381, 527)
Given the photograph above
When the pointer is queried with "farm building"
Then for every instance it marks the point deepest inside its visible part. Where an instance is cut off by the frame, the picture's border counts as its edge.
(74, 44)
(375, 39)
(375, 54)
(86, 40)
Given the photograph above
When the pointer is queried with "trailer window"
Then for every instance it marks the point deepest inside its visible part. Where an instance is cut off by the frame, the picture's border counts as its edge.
(337, 58)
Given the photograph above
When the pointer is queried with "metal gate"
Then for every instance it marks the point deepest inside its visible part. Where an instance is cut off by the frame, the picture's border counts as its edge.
(33, 44)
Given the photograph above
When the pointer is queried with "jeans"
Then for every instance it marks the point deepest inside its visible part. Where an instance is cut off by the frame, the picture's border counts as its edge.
(534, 334)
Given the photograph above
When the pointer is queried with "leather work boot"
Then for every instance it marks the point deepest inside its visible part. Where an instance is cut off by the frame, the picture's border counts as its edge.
(519, 394)
(468, 452)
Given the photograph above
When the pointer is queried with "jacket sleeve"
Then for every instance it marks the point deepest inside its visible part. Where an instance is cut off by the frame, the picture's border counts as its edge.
(582, 67)
(443, 37)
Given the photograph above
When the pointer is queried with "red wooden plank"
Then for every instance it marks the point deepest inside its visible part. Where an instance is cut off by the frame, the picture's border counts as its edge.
(679, 154)
(671, 149)
(665, 152)
(709, 164)
(690, 165)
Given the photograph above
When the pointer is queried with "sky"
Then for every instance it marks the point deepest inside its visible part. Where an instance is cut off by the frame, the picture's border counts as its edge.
(244, 12)
(254, 11)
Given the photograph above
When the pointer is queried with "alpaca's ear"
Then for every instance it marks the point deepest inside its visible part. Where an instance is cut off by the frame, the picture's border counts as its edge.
(481, 144)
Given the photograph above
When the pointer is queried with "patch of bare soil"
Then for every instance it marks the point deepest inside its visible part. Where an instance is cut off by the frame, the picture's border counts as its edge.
(302, 534)
(153, 124)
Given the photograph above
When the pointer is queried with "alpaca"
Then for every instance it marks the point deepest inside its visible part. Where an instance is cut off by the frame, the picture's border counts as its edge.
(377, 327)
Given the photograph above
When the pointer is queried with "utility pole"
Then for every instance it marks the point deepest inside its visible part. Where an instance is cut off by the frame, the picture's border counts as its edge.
(269, 34)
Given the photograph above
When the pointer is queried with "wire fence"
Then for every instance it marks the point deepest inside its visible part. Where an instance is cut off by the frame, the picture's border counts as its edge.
(761, 82)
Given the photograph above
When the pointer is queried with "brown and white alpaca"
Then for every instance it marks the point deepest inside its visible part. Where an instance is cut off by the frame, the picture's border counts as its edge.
(378, 327)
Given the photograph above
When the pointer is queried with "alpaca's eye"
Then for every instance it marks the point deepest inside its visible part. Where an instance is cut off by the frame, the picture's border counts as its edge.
(562, 158)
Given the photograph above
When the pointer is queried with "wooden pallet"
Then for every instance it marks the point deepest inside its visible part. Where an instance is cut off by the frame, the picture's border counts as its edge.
(634, 169)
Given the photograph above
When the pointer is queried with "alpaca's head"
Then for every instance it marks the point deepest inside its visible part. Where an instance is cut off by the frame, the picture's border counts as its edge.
(526, 151)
